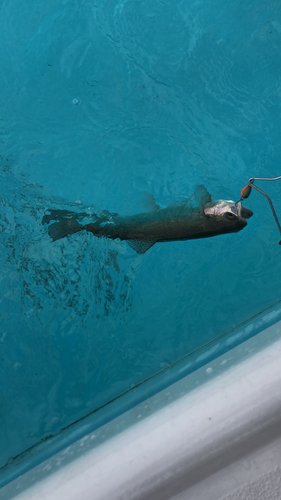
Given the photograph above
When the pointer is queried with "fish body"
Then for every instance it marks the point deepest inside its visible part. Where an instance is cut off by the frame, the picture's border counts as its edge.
(178, 222)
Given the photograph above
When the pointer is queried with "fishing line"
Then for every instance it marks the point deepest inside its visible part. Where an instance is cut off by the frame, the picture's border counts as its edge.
(246, 191)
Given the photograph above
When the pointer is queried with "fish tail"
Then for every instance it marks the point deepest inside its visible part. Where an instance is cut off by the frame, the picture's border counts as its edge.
(64, 228)
(67, 224)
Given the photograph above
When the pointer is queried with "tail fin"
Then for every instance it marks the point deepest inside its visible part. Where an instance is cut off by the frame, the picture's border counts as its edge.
(61, 229)
(67, 223)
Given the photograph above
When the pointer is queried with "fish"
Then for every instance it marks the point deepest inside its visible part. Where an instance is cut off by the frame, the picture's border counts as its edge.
(179, 221)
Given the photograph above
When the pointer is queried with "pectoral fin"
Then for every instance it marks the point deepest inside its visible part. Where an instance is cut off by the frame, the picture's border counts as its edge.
(140, 246)
(150, 203)
(201, 196)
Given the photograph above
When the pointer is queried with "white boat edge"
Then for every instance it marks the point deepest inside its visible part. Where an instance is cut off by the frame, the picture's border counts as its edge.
(217, 435)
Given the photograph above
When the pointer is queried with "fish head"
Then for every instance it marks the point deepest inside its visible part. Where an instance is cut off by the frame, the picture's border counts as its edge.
(227, 216)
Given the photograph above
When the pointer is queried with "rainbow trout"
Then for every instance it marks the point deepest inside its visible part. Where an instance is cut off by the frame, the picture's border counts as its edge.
(180, 221)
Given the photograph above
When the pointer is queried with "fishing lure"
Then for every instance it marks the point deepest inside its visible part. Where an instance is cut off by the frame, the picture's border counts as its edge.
(246, 191)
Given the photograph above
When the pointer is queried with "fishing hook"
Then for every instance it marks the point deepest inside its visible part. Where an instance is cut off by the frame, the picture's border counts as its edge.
(247, 190)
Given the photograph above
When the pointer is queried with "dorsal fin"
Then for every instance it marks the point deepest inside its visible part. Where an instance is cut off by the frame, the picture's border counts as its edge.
(140, 246)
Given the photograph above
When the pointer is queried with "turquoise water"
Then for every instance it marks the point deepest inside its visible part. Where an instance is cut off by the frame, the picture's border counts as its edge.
(101, 103)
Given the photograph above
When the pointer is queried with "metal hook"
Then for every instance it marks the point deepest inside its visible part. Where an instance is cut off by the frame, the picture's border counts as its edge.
(251, 184)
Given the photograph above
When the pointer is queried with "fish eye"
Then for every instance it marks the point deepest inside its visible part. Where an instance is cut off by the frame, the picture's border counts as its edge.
(229, 216)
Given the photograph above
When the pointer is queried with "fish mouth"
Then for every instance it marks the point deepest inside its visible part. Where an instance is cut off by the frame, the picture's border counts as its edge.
(243, 212)
(228, 208)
